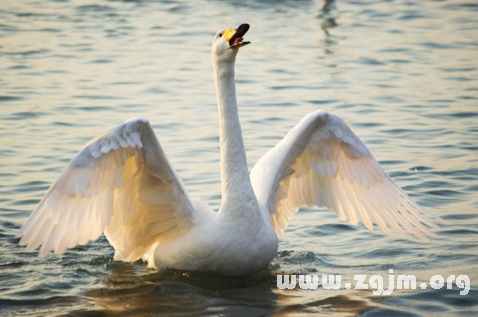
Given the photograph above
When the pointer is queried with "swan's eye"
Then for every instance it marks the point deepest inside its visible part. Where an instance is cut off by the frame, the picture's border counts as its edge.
(220, 34)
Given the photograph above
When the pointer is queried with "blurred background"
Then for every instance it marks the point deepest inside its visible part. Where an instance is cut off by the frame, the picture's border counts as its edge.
(403, 74)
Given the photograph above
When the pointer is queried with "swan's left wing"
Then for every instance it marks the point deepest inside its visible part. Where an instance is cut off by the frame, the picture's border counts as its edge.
(323, 162)
(121, 184)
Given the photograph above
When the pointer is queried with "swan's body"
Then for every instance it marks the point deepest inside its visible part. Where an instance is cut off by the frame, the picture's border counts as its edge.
(123, 185)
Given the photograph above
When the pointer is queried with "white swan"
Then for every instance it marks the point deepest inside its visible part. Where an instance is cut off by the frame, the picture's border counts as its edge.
(123, 185)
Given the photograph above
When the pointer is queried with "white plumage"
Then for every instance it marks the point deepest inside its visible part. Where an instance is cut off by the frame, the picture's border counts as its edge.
(122, 184)
(322, 162)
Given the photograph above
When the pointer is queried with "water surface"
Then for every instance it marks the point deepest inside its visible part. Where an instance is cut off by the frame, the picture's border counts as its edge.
(404, 74)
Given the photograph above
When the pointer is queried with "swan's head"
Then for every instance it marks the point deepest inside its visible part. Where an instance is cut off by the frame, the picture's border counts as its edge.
(227, 42)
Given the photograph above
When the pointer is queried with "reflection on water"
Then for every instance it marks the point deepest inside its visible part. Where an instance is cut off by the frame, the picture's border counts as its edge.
(327, 16)
(125, 293)
(160, 292)
(404, 74)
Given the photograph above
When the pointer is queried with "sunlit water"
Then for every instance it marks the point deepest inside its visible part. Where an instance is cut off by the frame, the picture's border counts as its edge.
(404, 74)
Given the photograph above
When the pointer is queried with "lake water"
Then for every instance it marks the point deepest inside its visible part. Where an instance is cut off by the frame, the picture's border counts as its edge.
(404, 74)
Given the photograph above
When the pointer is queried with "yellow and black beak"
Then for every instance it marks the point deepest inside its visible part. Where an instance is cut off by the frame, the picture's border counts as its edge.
(235, 36)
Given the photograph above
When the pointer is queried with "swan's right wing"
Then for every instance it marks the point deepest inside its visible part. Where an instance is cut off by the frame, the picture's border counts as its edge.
(323, 162)
(121, 184)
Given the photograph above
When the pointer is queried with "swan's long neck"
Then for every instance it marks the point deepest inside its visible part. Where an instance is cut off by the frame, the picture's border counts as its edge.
(236, 184)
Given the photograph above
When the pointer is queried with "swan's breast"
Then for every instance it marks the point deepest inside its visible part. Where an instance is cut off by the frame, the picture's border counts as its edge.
(229, 249)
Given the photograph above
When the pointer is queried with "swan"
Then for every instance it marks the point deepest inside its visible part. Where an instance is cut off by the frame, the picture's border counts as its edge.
(123, 185)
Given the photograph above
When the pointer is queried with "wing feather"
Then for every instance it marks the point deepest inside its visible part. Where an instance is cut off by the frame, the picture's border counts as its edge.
(332, 168)
(120, 184)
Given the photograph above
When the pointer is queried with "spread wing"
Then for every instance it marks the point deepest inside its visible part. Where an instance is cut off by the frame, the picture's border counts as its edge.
(323, 162)
(121, 184)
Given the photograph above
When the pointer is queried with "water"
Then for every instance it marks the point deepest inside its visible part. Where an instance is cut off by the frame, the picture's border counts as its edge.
(404, 74)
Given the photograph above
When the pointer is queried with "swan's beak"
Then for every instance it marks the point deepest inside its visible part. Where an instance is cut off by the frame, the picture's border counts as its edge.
(235, 36)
